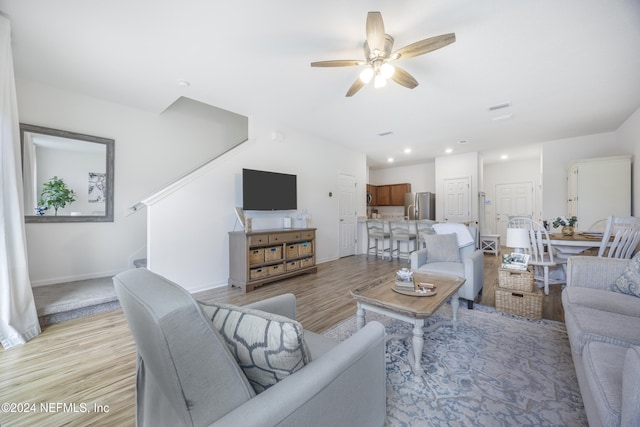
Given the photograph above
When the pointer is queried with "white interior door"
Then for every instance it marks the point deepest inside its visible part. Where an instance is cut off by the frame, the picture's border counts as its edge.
(347, 229)
(457, 199)
(514, 199)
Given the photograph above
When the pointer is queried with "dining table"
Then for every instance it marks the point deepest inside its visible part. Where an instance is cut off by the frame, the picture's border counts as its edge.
(575, 244)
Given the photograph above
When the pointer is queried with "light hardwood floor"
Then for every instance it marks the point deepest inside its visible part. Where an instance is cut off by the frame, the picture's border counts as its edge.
(82, 371)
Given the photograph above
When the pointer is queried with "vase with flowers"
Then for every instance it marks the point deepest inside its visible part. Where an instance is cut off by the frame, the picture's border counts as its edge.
(567, 224)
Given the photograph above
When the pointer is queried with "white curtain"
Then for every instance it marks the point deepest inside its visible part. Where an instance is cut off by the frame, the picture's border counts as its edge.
(18, 316)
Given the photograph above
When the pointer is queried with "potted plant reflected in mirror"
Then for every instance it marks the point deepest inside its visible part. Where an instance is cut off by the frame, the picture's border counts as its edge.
(56, 194)
(567, 224)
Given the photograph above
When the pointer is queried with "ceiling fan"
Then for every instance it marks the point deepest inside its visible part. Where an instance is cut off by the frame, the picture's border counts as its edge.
(378, 55)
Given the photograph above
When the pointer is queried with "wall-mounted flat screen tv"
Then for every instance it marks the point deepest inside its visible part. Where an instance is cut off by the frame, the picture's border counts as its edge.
(268, 191)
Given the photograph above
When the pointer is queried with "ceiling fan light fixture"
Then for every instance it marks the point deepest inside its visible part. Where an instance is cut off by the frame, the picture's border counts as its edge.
(387, 70)
(366, 75)
(378, 51)
(379, 81)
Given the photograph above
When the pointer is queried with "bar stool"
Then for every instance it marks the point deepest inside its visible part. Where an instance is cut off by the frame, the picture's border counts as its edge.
(377, 231)
(402, 231)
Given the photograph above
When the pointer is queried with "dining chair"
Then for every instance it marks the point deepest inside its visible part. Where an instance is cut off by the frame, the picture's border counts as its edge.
(423, 226)
(541, 252)
(620, 238)
(378, 233)
(595, 230)
(519, 221)
(598, 226)
(402, 231)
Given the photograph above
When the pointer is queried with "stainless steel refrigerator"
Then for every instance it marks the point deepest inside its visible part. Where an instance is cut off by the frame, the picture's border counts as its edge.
(420, 205)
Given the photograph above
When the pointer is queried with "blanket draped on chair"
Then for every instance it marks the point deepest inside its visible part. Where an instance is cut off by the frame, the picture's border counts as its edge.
(464, 236)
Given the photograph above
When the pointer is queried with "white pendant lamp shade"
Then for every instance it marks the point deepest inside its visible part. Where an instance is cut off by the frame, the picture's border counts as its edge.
(518, 238)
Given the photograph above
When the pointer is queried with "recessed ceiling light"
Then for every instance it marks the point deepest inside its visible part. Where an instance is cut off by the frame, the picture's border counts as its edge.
(390, 160)
(183, 83)
(449, 150)
(407, 150)
(504, 157)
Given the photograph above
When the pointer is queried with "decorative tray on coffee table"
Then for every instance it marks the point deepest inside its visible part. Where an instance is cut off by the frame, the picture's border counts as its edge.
(423, 290)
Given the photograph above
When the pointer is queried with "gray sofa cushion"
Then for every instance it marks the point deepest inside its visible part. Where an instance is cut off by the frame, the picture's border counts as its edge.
(586, 324)
(442, 247)
(268, 347)
(450, 268)
(604, 367)
(629, 282)
(600, 299)
(631, 388)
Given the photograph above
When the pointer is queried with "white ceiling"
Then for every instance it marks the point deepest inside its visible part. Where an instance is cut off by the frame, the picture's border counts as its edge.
(568, 68)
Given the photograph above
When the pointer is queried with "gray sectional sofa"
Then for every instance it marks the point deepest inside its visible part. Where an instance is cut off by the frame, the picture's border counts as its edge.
(604, 334)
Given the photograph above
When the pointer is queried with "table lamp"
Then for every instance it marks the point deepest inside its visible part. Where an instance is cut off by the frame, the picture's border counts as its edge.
(518, 239)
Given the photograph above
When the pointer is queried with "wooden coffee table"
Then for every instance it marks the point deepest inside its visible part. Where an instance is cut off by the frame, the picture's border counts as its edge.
(379, 297)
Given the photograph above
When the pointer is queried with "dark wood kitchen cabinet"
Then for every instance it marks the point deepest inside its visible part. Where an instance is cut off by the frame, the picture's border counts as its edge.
(383, 195)
(397, 193)
(388, 195)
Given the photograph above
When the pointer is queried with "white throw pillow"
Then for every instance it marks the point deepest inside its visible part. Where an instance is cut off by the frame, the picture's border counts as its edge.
(267, 347)
(629, 282)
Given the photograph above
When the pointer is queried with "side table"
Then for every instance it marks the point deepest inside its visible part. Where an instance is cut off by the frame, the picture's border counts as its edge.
(490, 243)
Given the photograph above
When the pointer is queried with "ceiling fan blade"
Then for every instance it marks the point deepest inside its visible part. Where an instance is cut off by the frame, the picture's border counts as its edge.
(403, 78)
(338, 63)
(375, 31)
(355, 87)
(425, 46)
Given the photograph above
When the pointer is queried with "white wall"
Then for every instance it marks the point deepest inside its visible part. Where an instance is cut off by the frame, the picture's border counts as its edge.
(430, 177)
(422, 177)
(628, 136)
(150, 150)
(189, 243)
(556, 156)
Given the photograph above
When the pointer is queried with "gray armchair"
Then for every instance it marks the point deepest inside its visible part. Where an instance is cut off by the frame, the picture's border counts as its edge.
(186, 375)
(470, 266)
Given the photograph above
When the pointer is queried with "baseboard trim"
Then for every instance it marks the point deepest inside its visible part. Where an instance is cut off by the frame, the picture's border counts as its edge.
(207, 287)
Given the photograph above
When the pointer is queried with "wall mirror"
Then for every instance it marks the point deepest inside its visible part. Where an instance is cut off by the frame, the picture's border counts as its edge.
(84, 163)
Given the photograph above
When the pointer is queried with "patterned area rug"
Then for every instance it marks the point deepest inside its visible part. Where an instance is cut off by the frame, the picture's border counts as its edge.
(495, 370)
